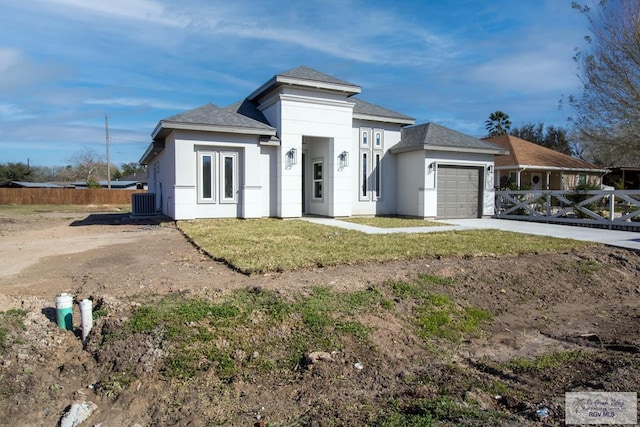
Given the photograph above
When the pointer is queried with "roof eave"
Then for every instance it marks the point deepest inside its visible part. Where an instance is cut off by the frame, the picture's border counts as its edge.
(553, 168)
(428, 147)
(376, 118)
(293, 81)
(151, 152)
(215, 128)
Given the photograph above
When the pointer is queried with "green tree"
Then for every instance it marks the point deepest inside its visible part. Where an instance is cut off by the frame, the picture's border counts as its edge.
(498, 123)
(131, 168)
(14, 172)
(552, 137)
(607, 113)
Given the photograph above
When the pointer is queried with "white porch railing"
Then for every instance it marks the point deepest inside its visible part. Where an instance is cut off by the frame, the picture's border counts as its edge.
(614, 209)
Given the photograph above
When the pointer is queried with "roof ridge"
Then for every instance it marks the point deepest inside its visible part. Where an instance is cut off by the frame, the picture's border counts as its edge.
(513, 152)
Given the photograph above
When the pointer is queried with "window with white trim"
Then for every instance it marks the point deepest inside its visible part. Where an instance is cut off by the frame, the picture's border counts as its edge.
(217, 177)
(317, 179)
(365, 137)
(370, 172)
(377, 159)
(364, 175)
(206, 178)
(377, 139)
(228, 178)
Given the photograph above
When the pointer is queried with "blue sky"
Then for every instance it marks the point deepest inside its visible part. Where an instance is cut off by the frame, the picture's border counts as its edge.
(65, 64)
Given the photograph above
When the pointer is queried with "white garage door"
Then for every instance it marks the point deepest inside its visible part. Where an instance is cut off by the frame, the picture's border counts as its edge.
(458, 192)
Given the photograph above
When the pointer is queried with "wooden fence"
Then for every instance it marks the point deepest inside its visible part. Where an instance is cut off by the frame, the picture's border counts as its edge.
(613, 209)
(65, 196)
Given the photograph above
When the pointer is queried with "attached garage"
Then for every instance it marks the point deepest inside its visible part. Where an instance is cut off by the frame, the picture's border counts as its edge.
(458, 192)
(444, 174)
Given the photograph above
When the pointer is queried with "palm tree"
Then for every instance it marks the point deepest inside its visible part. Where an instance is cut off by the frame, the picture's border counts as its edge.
(498, 123)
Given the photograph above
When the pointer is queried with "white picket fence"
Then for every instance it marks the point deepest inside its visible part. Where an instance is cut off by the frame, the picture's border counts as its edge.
(613, 209)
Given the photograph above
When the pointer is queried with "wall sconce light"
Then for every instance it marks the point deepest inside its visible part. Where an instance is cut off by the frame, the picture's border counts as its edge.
(292, 158)
(490, 168)
(344, 159)
(432, 165)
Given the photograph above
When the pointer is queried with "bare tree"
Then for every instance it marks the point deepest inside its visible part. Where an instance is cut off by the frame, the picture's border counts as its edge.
(607, 113)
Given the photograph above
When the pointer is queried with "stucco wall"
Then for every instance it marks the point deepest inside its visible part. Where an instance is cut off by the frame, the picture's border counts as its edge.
(249, 186)
(386, 203)
(305, 114)
(418, 195)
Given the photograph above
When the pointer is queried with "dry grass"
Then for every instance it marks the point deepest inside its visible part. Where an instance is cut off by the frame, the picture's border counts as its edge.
(260, 245)
(393, 222)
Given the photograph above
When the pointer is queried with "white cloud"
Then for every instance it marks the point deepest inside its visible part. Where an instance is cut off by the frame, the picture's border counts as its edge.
(138, 102)
(13, 112)
(342, 30)
(9, 58)
(141, 10)
(529, 72)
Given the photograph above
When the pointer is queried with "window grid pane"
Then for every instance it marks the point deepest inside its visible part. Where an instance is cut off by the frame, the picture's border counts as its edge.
(364, 174)
(228, 177)
(207, 177)
(377, 175)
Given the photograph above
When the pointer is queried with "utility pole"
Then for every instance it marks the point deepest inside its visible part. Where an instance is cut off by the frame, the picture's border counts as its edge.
(106, 128)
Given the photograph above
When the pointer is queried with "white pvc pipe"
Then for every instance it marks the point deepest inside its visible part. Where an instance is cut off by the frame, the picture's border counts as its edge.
(86, 312)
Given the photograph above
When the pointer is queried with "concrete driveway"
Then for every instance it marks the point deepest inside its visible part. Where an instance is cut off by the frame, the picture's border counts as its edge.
(623, 239)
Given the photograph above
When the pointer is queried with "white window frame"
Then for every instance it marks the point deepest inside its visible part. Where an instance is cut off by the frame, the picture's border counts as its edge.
(365, 137)
(377, 173)
(234, 177)
(211, 179)
(378, 139)
(317, 180)
(363, 173)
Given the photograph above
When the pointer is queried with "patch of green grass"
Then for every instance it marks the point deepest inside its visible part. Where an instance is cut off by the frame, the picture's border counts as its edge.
(12, 322)
(545, 362)
(115, 385)
(261, 245)
(587, 267)
(203, 335)
(440, 317)
(406, 290)
(427, 279)
(392, 222)
(442, 409)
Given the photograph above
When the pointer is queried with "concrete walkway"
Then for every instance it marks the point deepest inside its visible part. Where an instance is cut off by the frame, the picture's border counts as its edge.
(623, 239)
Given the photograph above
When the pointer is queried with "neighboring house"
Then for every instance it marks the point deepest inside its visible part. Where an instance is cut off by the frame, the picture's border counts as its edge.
(140, 178)
(302, 143)
(24, 184)
(623, 178)
(115, 185)
(540, 168)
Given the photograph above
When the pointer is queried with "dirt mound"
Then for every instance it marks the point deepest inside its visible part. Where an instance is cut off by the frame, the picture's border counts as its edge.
(561, 322)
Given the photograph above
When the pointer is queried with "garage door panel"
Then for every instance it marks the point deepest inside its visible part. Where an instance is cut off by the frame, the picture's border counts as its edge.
(458, 192)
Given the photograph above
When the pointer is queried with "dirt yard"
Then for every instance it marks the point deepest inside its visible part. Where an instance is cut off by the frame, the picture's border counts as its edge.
(542, 304)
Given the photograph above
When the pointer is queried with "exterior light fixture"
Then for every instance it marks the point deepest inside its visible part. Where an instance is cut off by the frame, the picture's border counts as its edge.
(344, 159)
(292, 158)
(431, 167)
(490, 168)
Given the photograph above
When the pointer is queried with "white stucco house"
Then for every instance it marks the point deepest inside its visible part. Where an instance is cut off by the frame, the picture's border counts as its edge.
(304, 143)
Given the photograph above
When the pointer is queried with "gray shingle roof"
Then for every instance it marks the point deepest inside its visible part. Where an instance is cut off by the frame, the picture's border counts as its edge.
(213, 115)
(306, 73)
(366, 108)
(306, 77)
(248, 109)
(429, 135)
